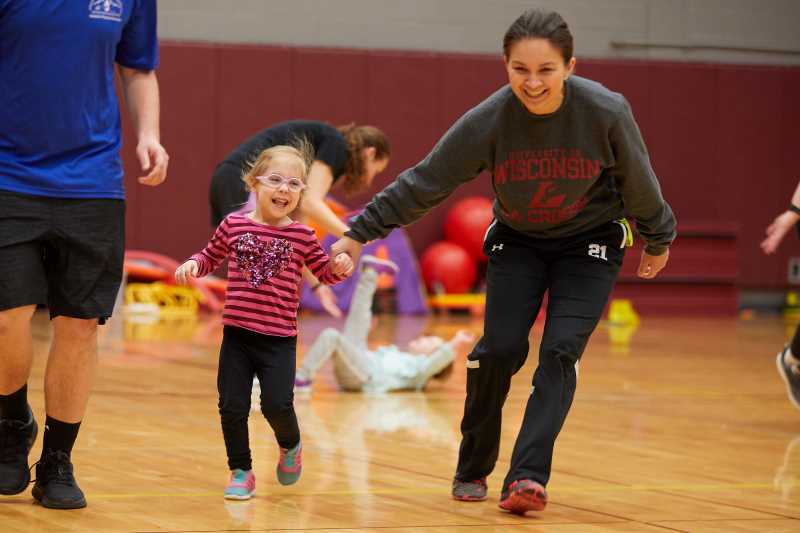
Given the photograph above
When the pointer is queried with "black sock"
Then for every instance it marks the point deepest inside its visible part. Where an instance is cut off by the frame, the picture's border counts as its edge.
(59, 436)
(15, 405)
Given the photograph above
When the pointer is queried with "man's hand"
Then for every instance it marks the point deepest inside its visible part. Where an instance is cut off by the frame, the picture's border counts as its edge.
(153, 159)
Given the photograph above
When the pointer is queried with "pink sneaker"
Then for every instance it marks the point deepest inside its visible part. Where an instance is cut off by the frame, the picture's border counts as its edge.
(290, 465)
(242, 485)
(522, 496)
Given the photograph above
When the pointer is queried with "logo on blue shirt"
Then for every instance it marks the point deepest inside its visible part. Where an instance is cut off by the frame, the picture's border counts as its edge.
(106, 9)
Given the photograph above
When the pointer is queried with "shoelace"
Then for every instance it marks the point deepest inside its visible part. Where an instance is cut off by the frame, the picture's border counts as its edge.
(13, 442)
(57, 468)
(287, 459)
(240, 478)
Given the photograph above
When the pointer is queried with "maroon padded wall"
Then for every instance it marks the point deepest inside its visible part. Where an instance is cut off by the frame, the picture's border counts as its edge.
(723, 138)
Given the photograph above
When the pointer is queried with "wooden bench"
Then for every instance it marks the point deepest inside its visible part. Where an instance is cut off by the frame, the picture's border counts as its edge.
(701, 277)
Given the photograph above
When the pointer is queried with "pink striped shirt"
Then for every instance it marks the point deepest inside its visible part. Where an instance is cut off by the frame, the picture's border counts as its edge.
(271, 307)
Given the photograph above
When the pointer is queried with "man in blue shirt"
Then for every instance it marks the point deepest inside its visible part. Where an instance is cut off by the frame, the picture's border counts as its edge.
(62, 209)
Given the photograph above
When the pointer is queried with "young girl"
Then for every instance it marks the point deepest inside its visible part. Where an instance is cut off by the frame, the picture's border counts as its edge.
(567, 162)
(387, 368)
(348, 158)
(267, 251)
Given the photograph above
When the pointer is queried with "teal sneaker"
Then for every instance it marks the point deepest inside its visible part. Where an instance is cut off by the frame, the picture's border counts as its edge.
(290, 465)
(242, 485)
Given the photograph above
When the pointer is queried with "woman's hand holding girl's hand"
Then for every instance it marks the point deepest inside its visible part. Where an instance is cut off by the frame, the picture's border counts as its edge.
(346, 245)
(342, 265)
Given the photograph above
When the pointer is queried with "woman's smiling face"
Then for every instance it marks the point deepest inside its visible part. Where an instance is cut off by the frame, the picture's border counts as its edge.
(536, 74)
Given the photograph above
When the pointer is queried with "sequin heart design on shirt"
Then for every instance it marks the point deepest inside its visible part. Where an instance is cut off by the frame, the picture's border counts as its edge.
(260, 261)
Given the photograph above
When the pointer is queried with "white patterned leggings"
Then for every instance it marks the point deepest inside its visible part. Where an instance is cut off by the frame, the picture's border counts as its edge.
(354, 365)
(352, 362)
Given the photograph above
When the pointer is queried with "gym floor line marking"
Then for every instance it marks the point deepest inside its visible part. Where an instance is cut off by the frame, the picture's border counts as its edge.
(446, 490)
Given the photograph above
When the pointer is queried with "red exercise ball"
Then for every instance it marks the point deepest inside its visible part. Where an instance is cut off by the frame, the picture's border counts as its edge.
(466, 224)
(447, 264)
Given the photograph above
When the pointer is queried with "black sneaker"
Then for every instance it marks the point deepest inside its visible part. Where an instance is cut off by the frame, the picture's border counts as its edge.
(16, 439)
(55, 486)
(791, 375)
(469, 491)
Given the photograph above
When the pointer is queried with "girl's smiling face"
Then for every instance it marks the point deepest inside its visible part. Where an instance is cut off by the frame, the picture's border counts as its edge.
(274, 204)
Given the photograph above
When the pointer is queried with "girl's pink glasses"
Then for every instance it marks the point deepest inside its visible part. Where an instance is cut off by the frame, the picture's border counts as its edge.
(275, 180)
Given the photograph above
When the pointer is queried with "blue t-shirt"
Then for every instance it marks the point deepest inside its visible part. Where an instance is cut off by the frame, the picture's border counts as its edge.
(59, 115)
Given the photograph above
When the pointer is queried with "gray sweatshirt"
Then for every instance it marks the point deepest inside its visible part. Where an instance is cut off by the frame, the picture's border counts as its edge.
(553, 175)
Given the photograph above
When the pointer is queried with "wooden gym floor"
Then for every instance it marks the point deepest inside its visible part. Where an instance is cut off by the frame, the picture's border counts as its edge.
(679, 425)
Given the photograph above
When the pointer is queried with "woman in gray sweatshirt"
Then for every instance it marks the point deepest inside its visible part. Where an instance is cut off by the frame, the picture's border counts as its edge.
(568, 164)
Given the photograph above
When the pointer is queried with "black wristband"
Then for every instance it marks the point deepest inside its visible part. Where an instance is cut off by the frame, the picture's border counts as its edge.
(317, 286)
(794, 209)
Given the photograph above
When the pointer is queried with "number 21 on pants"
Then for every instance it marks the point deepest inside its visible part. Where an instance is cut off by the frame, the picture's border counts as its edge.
(598, 251)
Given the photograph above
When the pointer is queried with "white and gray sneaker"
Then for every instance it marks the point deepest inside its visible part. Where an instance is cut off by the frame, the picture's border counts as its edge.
(790, 372)
(381, 266)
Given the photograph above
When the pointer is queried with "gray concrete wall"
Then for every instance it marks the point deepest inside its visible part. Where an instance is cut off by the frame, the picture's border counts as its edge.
(740, 31)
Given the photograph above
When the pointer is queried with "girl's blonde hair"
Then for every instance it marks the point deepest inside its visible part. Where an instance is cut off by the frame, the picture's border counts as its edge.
(300, 149)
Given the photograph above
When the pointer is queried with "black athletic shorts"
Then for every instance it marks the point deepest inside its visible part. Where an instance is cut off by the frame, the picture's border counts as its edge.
(61, 252)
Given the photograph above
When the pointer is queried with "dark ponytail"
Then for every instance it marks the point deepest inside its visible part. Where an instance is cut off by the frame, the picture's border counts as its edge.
(540, 24)
(358, 138)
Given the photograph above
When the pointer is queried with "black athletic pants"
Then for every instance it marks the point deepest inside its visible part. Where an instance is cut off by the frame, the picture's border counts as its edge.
(578, 272)
(245, 354)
